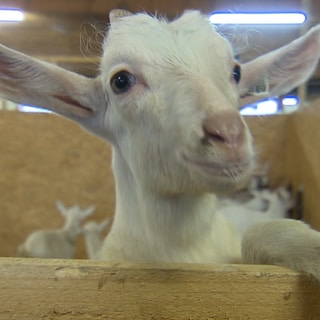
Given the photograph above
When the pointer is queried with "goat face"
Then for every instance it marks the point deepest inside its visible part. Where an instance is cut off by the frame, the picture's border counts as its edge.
(166, 98)
(172, 107)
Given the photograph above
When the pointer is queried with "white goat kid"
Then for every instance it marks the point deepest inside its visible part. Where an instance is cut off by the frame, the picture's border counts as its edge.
(59, 243)
(91, 232)
(167, 100)
(265, 205)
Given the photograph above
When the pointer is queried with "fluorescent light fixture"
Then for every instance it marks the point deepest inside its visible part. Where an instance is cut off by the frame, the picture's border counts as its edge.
(11, 15)
(265, 107)
(31, 109)
(258, 18)
(290, 101)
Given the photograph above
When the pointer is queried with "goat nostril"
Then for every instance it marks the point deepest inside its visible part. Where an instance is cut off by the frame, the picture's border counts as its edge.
(214, 136)
(223, 127)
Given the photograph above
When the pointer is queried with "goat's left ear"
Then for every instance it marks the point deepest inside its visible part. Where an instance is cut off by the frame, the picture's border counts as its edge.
(61, 207)
(281, 70)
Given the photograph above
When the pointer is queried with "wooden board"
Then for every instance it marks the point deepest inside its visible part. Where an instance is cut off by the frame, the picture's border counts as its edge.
(61, 289)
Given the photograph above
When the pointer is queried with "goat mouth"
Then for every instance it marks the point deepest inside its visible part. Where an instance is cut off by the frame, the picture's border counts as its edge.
(225, 169)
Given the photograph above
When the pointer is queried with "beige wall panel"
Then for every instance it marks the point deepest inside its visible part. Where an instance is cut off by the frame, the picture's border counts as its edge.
(303, 158)
(269, 134)
(44, 158)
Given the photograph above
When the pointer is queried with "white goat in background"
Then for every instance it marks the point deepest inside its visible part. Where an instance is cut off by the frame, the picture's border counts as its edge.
(265, 205)
(167, 100)
(91, 232)
(58, 243)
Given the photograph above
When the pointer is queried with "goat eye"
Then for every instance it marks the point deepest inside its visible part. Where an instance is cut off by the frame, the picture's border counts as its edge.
(236, 73)
(122, 82)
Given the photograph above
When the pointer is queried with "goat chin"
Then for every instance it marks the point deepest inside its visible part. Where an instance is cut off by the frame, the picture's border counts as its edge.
(165, 86)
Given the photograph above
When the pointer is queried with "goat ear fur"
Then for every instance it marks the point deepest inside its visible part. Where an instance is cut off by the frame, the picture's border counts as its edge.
(88, 211)
(281, 70)
(62, 209)
(33, 82)
(118, 13)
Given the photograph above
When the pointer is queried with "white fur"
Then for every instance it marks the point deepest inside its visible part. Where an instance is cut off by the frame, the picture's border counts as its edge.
(176, 134)
(59, 243)
(265, 205)
(91, 232)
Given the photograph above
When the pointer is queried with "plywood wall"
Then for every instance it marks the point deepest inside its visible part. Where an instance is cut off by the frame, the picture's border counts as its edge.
(291, 146)
(302, 162)
(269, 135)
(44, 157)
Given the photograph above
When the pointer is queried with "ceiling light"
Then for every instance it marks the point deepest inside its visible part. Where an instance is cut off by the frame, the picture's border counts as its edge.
(11, 15)
(25, 108)
(265, 107)
(290, 101)
(258, 18)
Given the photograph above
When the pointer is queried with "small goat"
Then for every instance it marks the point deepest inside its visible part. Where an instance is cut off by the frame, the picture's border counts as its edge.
(91, 232)
(265, 205)
(59, 243)
(167, 100)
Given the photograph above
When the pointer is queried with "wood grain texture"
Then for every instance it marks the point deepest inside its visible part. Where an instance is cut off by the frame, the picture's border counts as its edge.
(61, 289)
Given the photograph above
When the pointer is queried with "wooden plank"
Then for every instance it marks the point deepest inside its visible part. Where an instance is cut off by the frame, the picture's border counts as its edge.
(80, 289)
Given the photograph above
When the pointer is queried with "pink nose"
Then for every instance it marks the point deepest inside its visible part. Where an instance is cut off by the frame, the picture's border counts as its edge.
(224, 128)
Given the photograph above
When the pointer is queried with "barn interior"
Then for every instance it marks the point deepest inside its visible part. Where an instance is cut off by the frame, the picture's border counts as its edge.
(46, 158)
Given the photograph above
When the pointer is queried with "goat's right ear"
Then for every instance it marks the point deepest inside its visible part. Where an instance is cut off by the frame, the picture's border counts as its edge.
(32, 82)
(281, 70)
